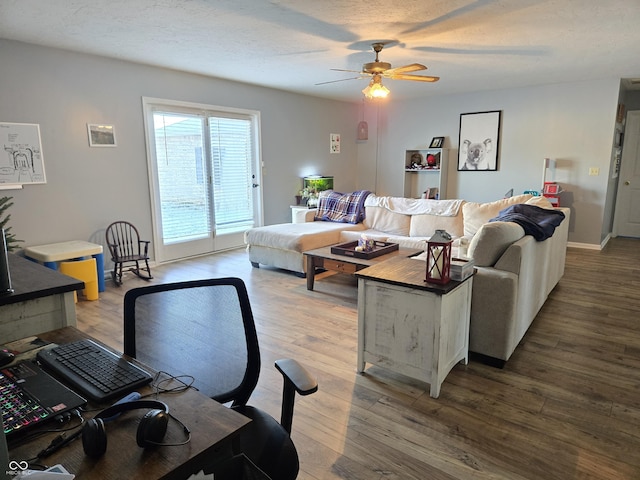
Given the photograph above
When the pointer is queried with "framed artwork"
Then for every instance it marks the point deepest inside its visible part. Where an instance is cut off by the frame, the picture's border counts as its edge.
(479, 141)
(101, 135)
(436, 142)
(22, 162)
(334, 143)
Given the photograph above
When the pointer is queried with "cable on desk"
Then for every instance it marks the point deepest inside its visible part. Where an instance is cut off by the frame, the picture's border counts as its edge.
(38, 433)
(185, 383)
(61, 440)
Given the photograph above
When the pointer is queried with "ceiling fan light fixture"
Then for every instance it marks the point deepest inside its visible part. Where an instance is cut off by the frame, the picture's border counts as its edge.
(376, 89)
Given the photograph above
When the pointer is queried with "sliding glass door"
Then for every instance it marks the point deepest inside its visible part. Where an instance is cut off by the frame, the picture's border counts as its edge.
(203, 166)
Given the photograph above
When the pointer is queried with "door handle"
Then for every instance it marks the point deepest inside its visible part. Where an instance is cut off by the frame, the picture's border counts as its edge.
(255, 185)
(627, 182)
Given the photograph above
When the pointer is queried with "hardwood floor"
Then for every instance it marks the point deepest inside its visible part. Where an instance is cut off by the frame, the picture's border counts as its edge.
(565, 406)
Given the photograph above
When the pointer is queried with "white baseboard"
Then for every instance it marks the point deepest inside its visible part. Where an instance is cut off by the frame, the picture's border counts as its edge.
(587, 246)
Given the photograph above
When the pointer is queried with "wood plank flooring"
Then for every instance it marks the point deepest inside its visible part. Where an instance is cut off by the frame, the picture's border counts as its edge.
(565, 406)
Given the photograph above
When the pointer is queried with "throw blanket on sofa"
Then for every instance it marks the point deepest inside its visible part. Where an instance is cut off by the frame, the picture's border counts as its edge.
(415, 206)
(536, 221)
(341, 207)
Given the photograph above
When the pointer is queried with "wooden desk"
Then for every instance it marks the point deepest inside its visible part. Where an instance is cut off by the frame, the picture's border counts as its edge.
(212, 426)
(42, 300)
(415, 328)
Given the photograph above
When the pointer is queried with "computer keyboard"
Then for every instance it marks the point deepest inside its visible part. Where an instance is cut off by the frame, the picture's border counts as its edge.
(18, 408)
(93, 370)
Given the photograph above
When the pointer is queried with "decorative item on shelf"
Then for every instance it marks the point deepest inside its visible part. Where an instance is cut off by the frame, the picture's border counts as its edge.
(551, 191)
(365, 244)
(416, 160)
(436, 142)
(430, 193)
(308, 196)
(433, 159)
(439, 258)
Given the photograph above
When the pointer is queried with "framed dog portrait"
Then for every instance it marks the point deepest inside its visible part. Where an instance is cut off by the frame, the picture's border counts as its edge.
(479, 141)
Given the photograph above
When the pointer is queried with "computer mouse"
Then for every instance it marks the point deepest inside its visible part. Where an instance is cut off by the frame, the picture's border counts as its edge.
(5, 357)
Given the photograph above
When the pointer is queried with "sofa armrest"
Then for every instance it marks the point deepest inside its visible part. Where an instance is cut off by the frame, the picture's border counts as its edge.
(511, 259)
(305, 215)
(494, 304)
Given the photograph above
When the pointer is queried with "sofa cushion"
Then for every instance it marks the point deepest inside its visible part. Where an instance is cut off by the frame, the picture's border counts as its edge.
(491, 241)
(426, 225)
(540, 201)
(355, 235)
(477, 214)
(383, 220)
(298, 237)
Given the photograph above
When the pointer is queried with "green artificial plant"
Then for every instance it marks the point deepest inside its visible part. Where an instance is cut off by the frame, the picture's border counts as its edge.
(10, 238)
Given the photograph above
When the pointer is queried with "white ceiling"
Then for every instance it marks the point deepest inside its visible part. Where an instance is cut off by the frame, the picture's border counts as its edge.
(291, 45)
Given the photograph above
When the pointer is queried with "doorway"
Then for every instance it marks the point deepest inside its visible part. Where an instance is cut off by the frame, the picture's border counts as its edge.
(204, 177)
(627, 212)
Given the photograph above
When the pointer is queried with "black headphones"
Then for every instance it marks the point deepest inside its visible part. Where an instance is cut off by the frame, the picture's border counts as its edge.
(150, 433)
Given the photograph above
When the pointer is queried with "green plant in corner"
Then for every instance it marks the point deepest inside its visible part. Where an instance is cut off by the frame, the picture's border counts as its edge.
(12, 241)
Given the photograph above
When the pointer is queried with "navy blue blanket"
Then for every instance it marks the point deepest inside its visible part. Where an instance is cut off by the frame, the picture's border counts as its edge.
(536, 221)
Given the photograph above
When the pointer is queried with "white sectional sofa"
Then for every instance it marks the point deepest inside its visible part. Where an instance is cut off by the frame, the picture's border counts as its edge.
(515, 272)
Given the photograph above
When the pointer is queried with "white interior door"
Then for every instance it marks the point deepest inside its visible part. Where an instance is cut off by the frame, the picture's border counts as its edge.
(627, 214)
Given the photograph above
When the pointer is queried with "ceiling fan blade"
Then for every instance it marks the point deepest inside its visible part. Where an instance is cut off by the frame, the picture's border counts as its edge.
(341, 80)
(415, 78)
(342, 70)
(413, 67)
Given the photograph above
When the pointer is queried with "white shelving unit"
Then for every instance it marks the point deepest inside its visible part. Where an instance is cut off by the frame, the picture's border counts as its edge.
(426, 171)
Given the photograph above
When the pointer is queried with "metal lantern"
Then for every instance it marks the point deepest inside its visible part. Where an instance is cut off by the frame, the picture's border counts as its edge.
(439, 257)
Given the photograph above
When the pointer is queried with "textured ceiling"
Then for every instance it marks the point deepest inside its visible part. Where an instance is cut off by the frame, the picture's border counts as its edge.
(471, 45)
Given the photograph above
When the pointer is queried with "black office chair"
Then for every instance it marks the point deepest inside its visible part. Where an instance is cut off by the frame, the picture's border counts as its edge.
(126, 248)
(205, 328)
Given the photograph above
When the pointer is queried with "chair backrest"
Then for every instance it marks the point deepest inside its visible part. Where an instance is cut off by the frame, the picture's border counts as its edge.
(202, 328)
(123, 240)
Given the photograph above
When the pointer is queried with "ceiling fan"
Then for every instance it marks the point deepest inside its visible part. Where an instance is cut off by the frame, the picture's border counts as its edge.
(379, 70)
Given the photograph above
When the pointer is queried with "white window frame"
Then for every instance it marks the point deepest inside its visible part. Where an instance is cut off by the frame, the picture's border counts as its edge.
(222, 242)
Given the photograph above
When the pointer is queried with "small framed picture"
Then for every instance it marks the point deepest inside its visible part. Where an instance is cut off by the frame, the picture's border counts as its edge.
(436, 142)
(101, 135)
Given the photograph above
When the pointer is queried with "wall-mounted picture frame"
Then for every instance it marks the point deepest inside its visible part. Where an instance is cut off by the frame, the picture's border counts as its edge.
(22, 162)
(479, 141)
(334, 143)
(436, 142)
(101, 135)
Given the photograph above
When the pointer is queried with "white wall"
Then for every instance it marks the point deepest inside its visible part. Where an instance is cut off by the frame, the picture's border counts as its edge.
(88, 188)
(573, 123)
